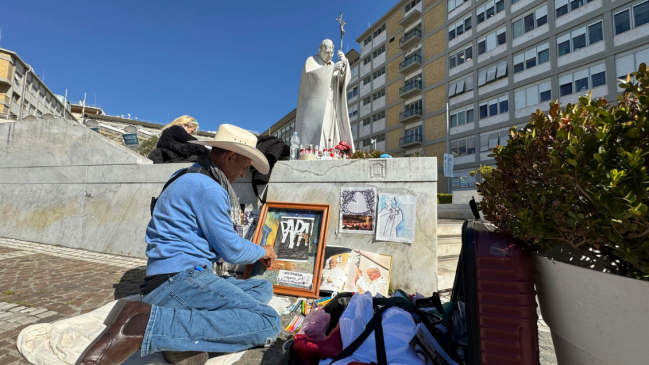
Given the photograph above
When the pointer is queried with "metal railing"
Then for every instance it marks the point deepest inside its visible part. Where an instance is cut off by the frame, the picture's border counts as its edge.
(415, 138)
(416, 58)
(411, 84)
(414, 33)
(410, 113)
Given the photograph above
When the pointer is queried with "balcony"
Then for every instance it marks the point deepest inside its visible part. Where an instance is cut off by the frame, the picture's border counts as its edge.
(410, 39)
(411, 88)
(410, 64)
(410, 115)
(412, 140)
(410, 17)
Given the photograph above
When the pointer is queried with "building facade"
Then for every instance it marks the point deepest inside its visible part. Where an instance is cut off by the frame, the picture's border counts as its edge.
(494, 62)
(22, 93)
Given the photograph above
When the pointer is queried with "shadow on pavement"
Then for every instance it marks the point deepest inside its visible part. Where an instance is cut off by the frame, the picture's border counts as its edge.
(129, 283)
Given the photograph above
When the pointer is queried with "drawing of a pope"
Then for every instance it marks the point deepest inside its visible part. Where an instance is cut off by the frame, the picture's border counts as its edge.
(392, 216)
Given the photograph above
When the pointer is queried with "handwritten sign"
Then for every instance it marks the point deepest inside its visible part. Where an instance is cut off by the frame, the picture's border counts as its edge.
(295, 278)
(293, 238)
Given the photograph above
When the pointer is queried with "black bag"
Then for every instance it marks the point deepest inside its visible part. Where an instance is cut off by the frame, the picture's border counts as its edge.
(274, 149)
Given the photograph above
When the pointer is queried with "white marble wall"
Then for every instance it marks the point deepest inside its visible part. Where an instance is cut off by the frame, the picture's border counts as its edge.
(414, 266)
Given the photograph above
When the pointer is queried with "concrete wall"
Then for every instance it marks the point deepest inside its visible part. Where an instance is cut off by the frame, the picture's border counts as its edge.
(63, 184)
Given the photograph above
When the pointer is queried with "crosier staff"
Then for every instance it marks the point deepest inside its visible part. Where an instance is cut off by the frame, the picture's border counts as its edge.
(342, 31)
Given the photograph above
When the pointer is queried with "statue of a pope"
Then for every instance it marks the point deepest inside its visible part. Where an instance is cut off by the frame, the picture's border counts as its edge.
(322, 100)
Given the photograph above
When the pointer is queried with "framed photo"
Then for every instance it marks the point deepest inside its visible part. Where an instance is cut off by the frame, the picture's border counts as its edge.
(298, 232)
(357, 210)
(336, 266)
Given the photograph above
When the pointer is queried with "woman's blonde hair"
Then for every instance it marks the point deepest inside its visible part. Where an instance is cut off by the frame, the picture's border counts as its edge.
(184, 121)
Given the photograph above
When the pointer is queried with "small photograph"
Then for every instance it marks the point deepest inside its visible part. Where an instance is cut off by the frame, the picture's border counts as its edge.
(336, 267)
(368, 271)
(292, 242)
(357, 210)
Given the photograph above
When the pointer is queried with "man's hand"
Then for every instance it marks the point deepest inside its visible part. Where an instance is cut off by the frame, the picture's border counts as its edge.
(269, 259)
(361, 291)
(329, 280)
(358, 274)
(341, 56)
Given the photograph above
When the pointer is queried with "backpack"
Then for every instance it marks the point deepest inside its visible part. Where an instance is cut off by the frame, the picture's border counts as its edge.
(274, 149)
(192, 169)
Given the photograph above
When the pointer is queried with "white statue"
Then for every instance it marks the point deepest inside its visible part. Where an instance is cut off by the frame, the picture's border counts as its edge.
(322, 113)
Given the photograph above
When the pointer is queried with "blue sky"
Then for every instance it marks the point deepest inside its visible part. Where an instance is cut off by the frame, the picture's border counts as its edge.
(233, 62)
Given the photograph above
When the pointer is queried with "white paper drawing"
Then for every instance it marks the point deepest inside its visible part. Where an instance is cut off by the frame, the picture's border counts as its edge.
(396, 218)
(358, 210)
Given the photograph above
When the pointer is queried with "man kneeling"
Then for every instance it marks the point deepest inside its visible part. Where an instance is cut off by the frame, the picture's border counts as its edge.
(185, 307)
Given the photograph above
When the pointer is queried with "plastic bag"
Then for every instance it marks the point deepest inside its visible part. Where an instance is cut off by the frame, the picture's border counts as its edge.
(315, 325)
(459, 324)
(398, 330)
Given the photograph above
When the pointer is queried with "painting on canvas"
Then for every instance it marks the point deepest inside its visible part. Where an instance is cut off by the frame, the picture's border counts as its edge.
(396, 218)
(298, 233)
(336, 266)
(357, 210)
(368, 271)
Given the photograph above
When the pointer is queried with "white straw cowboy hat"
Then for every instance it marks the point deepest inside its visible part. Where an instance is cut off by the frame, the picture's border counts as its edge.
(239, 140)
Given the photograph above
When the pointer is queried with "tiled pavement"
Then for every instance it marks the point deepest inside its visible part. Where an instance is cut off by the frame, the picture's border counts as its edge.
(44, 283)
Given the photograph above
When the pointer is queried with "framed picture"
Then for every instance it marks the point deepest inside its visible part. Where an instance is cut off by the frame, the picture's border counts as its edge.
(298, 232)
(357, 210)
(336, 266)
(368, 271)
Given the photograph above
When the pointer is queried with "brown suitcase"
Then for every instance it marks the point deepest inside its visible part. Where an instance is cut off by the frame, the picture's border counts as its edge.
(495, 280)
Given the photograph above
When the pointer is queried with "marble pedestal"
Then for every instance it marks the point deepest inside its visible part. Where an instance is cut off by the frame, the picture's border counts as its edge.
(414, 266)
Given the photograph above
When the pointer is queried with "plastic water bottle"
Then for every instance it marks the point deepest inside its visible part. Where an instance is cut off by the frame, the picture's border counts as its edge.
(295, 147)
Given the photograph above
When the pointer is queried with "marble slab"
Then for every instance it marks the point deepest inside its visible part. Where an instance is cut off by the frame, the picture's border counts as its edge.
(414, 266)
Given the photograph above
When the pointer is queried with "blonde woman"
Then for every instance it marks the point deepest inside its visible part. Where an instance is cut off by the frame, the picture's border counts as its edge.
(174, 146)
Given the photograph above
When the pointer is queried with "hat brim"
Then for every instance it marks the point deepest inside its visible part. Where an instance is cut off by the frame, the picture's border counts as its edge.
(258, 159)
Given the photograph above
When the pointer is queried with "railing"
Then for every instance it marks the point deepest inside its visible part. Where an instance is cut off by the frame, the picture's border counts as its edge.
(415, 138)
(411, 84)
(410, 113)
(409, 61)
(414, 33)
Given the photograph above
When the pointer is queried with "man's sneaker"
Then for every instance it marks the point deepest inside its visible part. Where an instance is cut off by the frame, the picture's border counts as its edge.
(186, 357)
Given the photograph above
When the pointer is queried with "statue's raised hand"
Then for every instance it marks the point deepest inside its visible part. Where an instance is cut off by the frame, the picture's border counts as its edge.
(341, 56)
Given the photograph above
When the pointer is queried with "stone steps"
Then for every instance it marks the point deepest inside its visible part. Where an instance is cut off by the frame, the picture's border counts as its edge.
(449, 245)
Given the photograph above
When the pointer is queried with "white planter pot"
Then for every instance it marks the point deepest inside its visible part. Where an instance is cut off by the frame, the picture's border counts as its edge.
(595, 318)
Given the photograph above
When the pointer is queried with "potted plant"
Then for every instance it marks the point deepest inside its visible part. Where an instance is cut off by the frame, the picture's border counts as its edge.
(573, 187)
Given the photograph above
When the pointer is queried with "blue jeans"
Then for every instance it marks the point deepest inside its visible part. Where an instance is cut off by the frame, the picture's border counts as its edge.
(200, 311)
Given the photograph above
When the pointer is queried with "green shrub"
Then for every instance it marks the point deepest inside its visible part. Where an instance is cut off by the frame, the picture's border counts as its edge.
(147, 146)
(578, 177)
(360, 154)
(444, 198)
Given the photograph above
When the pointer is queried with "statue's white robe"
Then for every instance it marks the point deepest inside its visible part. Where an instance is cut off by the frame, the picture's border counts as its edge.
(322, 113)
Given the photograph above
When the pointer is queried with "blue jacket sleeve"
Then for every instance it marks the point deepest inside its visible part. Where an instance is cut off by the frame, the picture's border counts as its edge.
(213, 216)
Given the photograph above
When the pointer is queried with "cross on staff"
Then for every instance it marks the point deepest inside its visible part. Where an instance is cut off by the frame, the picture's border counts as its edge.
(342, 31)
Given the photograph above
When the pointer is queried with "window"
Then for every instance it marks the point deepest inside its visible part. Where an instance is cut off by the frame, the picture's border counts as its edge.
(354, 72)
(532, 57)
(489, 9)
(532, 95)
(494, 107)
(461, 116)
(379, 72)
(460, 86)
(492, 41)
(410, 5)
(378, 51)
(563, 7)
(367, 100)
(457, 29)
(463, 55)
(16, 98)
(452, 4)
(583, 80)
(378, 116)
(32, 109)
(379, 94)
(631, 17)
(366, 121)
(367, 80)
(463, 147)
(492, 73)
(493, 139)
(380, 137)
(353, 110)
(367, 60)
(530, 21)
(379, 31)
(625, 65)
(367, 142)
(352, 92)
(367, 40)
(580, 38)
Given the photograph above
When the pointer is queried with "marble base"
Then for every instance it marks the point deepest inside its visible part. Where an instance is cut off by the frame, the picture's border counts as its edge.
(414, 266)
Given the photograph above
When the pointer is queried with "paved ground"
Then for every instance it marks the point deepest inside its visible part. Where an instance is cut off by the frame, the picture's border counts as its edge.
(44, 283)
